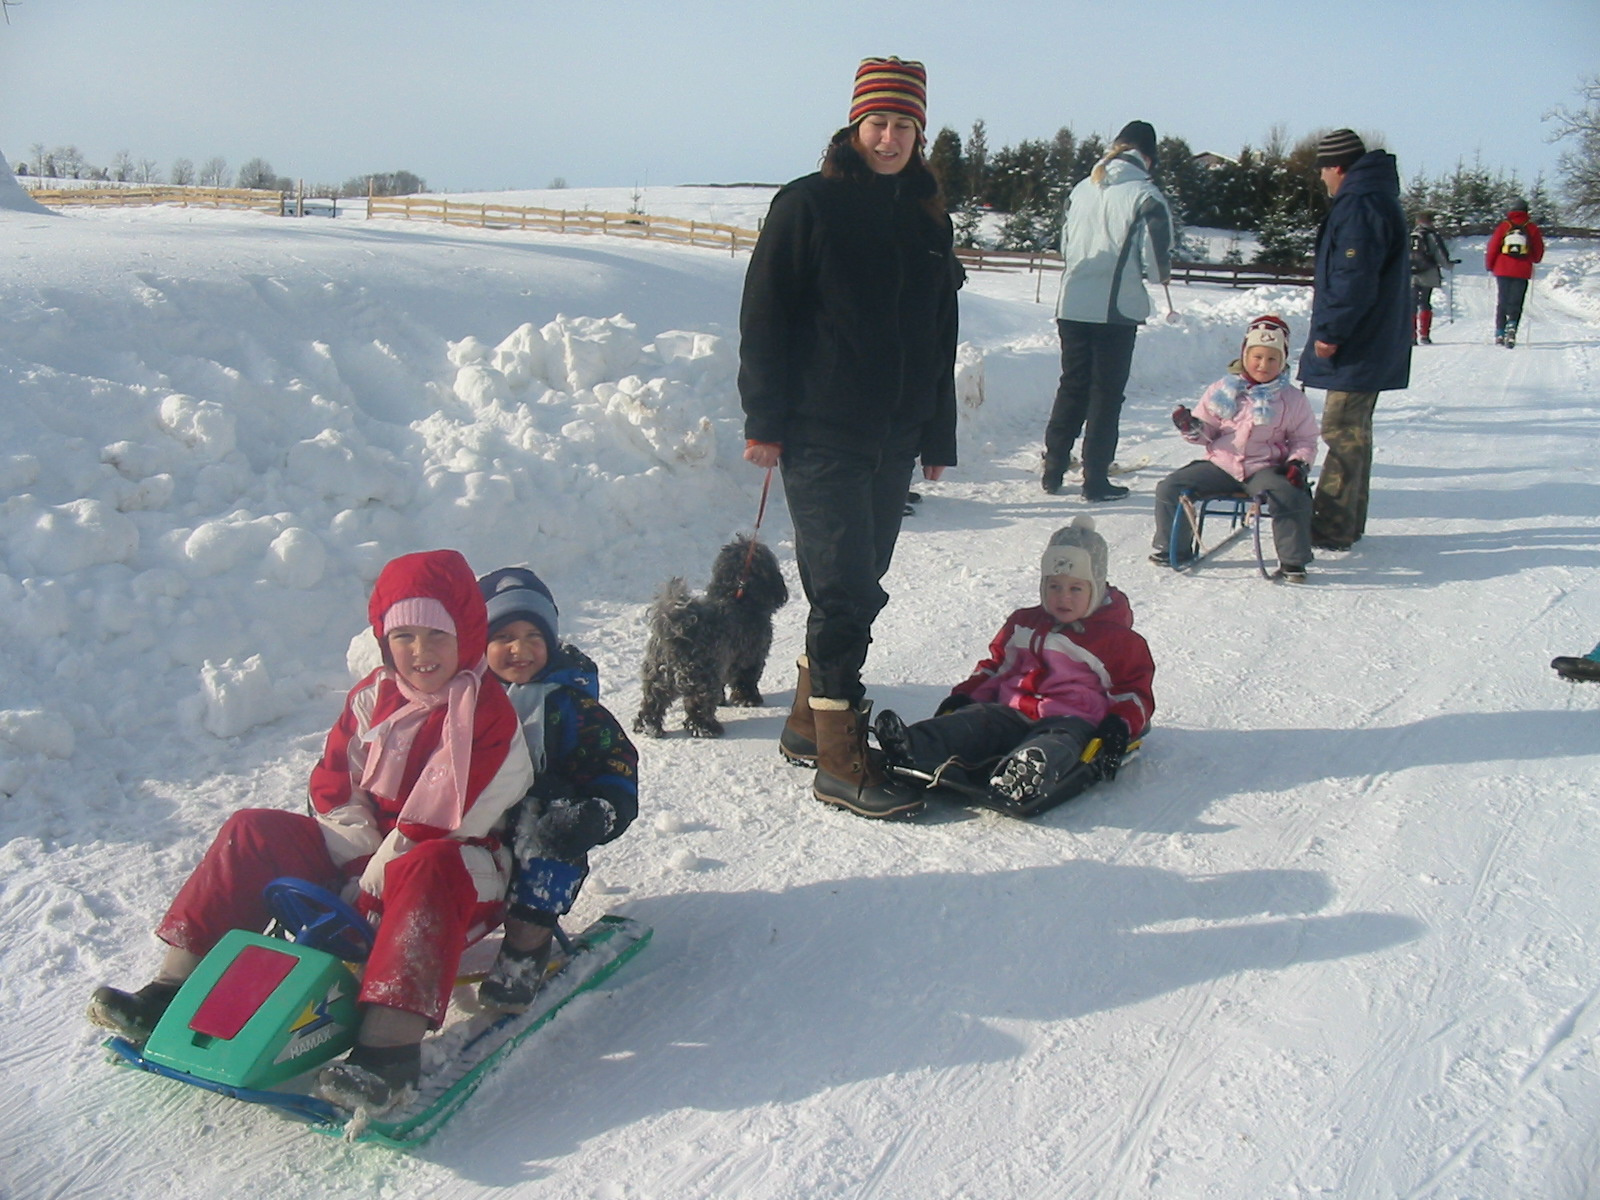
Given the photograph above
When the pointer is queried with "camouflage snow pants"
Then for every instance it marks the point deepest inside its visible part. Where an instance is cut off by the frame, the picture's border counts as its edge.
(1339, 511)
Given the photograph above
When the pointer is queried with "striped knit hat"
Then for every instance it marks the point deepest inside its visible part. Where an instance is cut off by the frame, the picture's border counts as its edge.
(891, 85)
(1339, 148)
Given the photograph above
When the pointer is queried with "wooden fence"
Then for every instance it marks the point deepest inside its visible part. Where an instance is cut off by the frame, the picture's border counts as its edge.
(554, 220)
(1228, 274)
(238, 198)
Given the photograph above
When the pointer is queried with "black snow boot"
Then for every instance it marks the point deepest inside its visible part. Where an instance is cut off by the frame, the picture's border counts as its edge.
(1579, 670)
(131, 1015)
(894, 739)
(372, 1077)
(517, 977)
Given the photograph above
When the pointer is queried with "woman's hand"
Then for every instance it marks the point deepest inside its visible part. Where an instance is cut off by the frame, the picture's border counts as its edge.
(933, 474)
(763, 454)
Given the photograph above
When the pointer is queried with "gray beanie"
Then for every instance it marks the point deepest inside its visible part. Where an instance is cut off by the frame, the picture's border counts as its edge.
(1080, 552)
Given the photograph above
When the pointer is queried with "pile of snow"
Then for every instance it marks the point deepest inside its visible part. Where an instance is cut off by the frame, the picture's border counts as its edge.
(12, 197)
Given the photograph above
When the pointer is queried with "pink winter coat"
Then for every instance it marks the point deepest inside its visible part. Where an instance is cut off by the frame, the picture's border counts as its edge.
(1043, 668)
(1247, 427)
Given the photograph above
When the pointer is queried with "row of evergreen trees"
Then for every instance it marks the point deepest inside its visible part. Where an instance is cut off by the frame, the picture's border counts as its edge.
(1273, 191)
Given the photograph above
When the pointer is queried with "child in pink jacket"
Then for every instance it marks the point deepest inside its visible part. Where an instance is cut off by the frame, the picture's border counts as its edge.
(1260, 436)
(1058, 674)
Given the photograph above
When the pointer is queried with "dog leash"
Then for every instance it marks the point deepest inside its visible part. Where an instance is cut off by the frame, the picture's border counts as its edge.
(750, 554)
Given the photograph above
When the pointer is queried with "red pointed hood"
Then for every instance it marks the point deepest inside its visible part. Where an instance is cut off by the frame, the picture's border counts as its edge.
(441, 575)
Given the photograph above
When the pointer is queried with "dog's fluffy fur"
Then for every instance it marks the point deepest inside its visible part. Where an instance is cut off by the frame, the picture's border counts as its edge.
(711, 649)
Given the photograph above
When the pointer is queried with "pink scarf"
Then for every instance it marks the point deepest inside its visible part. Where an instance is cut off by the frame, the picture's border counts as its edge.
(439, 797)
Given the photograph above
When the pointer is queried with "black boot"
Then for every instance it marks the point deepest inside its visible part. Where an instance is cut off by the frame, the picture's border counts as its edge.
(798, 741)
(372, 1077)
(1050, 478)
(131, 1015)
(1103, 489)
(894, 739)
(517, 977)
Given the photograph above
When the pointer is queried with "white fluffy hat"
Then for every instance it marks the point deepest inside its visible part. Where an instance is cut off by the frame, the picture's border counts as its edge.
(1080, 552)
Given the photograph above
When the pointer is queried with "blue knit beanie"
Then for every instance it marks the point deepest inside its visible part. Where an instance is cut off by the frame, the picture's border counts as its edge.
(517, 594)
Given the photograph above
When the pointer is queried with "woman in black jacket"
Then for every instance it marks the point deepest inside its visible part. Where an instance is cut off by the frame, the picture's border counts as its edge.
(847, 377)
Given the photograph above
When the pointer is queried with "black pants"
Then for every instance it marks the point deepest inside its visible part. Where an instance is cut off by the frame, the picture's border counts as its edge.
(1095, 362)
(846, 508)
(1291, 507)
(1510, 292)
(1422, 298)
(980, 735)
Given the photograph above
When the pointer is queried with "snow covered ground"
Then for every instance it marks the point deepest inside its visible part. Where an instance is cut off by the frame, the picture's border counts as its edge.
(1330, 935)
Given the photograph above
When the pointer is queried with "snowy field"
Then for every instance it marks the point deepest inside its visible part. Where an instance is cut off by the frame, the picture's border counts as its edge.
(1330, 935)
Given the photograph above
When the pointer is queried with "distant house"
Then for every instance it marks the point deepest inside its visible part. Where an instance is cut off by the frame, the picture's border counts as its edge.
(1212, 161)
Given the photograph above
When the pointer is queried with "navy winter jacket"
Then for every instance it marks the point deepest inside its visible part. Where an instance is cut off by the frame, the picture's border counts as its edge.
(1363, 285)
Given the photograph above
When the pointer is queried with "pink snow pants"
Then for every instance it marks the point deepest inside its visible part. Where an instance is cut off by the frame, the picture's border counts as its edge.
(429, 905)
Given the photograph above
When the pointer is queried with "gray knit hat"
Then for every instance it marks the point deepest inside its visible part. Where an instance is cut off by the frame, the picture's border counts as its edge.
(1340, 148)
(517, 594)
(1080, 552)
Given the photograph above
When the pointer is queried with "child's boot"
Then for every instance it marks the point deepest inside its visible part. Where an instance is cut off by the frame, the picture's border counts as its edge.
(131, 1015)
(1016, 782)
(375, 1078)
(519, 971)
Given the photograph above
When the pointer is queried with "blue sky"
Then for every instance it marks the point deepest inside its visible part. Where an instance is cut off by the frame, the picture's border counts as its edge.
(513, 93)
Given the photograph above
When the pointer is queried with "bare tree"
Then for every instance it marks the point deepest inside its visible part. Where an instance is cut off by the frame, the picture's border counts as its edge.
(146, 171)
(182, 173)
(214, 172)
(1580, 165)
(37, 150)
(122, 166)
(68, 161)
(258, 173)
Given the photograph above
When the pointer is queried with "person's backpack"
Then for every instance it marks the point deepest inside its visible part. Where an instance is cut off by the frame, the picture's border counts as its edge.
(1515, 244)
(1421, 260)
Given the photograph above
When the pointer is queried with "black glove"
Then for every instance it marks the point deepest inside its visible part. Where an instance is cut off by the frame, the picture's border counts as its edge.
(952, 702)
(552, 785)
(569, 828)
(1113, 735)
(1295, 471)
(1183, 418)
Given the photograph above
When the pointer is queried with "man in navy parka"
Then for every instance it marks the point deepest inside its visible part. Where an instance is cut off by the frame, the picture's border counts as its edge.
(1360, 338)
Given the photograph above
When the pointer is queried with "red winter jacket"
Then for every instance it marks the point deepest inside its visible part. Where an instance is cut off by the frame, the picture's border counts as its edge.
(355, 821)
(1499, 263)
(1033, 651)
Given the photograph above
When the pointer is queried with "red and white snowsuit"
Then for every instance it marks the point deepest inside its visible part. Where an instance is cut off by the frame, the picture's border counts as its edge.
(435, 888)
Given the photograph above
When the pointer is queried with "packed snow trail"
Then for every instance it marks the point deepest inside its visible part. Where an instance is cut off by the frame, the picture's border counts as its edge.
(1328, 935)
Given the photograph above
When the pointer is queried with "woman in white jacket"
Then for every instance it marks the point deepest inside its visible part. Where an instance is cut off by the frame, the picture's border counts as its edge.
(1117, 232)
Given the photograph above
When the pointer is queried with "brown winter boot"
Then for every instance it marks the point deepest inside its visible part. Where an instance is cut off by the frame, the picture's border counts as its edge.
(847, 775)
(798, 742)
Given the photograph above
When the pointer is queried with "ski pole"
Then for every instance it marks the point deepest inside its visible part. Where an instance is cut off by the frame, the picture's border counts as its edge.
(1173, 317)
(750, 555)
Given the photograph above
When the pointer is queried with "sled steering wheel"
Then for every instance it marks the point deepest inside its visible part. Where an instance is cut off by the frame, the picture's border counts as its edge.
(319, 919)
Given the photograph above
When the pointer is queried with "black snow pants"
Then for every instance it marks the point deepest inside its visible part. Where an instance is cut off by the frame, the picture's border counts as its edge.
(846, 508)
(980, 735)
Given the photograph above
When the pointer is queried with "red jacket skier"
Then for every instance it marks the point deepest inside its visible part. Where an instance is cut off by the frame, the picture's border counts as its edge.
(1514, 247)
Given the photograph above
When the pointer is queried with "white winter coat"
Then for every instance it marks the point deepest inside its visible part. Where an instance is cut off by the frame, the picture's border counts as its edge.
(1117, 233)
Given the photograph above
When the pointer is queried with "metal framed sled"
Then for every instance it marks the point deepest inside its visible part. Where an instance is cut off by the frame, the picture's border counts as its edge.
(1244, 512)
(969, 783)
(261, 1012)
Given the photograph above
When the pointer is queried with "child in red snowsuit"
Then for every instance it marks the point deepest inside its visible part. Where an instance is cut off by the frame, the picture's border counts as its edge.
(407, 801)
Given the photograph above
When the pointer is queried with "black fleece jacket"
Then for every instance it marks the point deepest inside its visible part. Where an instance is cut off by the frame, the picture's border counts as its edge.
(848, 327)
